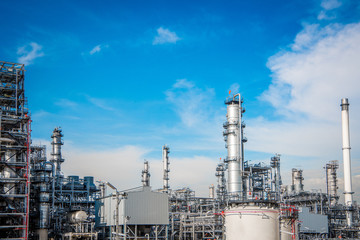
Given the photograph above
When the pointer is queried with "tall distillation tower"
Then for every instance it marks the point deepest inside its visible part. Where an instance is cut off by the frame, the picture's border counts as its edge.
(247, 216)
(56, 150)
(331, 182)
(145, 175)
(166, 163)
(233, 139)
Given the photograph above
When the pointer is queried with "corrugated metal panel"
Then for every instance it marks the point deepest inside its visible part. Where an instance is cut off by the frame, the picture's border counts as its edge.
(143, 208)
(311, 222)
(147, 207)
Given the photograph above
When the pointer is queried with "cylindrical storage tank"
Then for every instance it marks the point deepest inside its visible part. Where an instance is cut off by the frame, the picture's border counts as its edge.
(44, 215)
(288, 229)
(77, 217)
(252, 222)
(74, 182)
(89, 181)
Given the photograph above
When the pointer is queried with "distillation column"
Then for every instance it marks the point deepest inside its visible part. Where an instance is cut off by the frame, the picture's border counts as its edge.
(221, 182)
(165, 157)
(233, 139)
(56, 150)
(297, 180)
(276, 182)
(346, 159)
(244, 218)
(146, 175)
(331, 182)
(41, 184)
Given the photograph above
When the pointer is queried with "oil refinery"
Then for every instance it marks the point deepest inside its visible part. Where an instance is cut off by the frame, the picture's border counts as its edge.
(249, 201)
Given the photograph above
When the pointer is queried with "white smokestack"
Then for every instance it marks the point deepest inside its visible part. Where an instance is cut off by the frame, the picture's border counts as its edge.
(346, 158)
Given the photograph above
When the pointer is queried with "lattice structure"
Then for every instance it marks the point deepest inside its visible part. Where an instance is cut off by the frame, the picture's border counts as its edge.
(14, 153)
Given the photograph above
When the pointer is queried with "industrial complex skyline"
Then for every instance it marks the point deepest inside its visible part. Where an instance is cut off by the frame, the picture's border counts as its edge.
(123, 78)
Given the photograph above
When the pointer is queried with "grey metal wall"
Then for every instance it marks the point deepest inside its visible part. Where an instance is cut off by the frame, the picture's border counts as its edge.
(142, 208)
(311, 222)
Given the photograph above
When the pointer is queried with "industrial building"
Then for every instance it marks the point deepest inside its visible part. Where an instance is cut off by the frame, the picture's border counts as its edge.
(250, 201)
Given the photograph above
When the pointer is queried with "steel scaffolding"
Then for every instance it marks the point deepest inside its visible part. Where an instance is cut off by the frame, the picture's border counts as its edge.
(14, 150)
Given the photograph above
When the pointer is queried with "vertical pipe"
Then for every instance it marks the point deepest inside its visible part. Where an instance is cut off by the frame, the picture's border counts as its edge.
(346, 158)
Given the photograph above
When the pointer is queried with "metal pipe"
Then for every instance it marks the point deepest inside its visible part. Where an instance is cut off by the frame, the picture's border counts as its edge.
(346, 158)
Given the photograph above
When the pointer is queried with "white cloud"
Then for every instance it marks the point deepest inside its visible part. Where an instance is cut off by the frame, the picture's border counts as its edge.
(96, 49)
(29, 52)
(119, 166)
(165, 36)
(183, 83)
(122, 167)
(66, 103)
(327, 12)
(321, 68)
(101, 103)
(308, 81)
(190, 102)
(40, 114)
(234, 88)
(330, 4)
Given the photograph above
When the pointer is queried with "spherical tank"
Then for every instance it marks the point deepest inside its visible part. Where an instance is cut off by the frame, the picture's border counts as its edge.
(252, 222)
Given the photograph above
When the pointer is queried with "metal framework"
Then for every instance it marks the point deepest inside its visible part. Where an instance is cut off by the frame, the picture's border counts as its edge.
(55, 198)
(14, 150)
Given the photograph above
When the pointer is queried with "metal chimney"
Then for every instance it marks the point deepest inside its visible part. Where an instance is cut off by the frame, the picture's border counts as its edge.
(346, 159)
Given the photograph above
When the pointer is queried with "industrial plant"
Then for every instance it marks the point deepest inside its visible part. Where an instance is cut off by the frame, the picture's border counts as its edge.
(249, 201)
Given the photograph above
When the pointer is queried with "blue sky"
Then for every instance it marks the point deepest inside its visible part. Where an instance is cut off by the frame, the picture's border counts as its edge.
(122, 78)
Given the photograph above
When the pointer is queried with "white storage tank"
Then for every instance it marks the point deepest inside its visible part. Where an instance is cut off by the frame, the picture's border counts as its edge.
(288, 229)
(252, 221)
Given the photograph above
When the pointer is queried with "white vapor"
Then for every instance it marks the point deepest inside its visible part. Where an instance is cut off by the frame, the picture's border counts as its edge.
(165, 36)
(29, 52)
